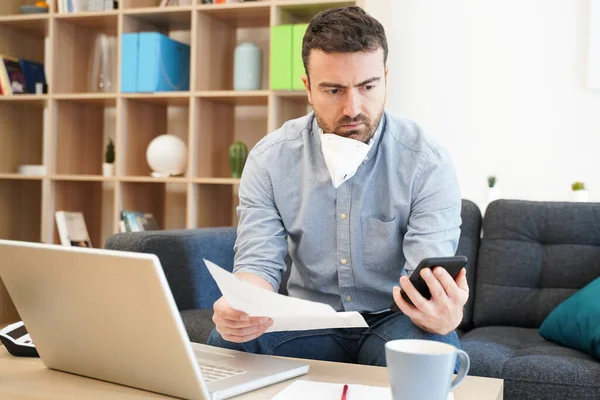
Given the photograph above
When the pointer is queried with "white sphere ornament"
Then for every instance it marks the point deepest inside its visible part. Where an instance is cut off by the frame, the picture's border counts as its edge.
(167, 156)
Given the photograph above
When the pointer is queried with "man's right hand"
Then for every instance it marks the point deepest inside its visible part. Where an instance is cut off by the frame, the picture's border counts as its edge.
(236, 326)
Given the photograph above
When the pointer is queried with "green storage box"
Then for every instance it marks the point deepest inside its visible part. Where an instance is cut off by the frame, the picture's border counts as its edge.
(281, 57)
(297, 65)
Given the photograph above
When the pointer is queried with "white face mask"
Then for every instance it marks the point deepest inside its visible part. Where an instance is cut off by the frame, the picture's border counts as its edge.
(343, 156)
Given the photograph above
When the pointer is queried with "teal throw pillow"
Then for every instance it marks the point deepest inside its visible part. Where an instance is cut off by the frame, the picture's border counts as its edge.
(575, 322)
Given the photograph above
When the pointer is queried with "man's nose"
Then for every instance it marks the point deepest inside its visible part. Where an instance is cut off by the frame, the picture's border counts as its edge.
(351, 104)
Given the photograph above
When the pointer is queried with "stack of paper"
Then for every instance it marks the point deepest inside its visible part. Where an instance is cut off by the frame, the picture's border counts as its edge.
(288, 313)
(302, 390)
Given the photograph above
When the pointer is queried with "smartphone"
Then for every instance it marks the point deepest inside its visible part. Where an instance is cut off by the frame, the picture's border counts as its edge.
(451, 264)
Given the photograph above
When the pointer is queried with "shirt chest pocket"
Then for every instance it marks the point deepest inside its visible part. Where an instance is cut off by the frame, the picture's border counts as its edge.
(382, 245)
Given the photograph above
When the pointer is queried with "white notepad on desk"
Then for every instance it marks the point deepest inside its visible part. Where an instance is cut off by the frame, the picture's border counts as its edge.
(302, 390)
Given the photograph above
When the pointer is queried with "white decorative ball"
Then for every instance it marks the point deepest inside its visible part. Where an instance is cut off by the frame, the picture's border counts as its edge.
(167, 155)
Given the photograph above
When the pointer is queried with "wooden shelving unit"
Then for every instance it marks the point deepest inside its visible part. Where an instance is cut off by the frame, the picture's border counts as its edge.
(66, 129)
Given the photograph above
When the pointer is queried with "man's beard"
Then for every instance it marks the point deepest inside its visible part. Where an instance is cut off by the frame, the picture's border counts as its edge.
(364, 134)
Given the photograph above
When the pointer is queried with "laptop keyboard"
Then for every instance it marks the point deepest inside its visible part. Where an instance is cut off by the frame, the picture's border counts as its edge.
(212, 373)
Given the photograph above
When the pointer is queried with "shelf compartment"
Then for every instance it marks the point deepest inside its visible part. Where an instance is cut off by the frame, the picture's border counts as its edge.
(298, 12)
(240, 15)
(143, 121)
(240, 98)
(106, 21)
(165, 19)
(21, 177)
(20, 219)
(286, 106)
(151, 179)
(217, 125)
(213, 205)
(165, 201)
(21, 38)
(12, 7)
(80, 130)
(160, 98)
(20, 209)
(220, 38)
(35, 25)
(21, 135)
(38, 100)
(174, 23)
(80, 196)
(82, 178)
(96, 99)
(75, 47)
(153, 4)
(296, 95)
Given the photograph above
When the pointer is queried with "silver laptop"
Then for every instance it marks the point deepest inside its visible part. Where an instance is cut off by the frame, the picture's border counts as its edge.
(110, 315)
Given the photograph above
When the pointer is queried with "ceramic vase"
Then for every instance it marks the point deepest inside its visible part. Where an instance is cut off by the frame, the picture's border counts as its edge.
(247, 67)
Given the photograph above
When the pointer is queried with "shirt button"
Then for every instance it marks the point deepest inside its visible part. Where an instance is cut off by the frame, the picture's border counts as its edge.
(348, 298)
(344, 261)
(343, 216)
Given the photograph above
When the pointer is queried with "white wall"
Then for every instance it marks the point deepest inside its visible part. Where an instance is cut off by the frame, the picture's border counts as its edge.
(502, 85)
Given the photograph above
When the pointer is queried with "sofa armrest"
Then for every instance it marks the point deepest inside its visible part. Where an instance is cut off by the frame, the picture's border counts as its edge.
(180, 253)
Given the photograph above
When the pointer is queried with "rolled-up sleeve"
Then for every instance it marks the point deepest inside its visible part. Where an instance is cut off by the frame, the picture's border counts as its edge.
(261, 243)
(434, 222)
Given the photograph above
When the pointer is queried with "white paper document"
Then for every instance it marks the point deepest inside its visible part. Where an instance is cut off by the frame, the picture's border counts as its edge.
(287, 313)
(302, 390)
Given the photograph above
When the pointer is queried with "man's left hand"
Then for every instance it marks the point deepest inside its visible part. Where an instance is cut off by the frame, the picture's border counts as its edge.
(444, 311)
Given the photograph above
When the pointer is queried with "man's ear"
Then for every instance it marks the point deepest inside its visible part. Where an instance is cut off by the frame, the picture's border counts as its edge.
(307, 87)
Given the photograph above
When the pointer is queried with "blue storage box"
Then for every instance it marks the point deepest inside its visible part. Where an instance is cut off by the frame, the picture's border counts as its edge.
(129, 62)
(153, 62)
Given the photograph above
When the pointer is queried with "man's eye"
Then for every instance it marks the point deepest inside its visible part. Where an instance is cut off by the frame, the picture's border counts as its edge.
(369, 87)
(334, 91)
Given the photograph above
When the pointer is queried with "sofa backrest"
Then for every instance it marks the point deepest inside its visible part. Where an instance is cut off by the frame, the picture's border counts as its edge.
(468, 245)
(180, 253)
(534, 255)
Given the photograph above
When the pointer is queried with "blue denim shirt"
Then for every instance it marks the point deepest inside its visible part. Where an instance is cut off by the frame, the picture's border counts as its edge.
(348, 247)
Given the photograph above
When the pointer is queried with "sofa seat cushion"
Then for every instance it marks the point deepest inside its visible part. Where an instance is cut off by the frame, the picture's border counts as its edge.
(532, 367)
(198, 324)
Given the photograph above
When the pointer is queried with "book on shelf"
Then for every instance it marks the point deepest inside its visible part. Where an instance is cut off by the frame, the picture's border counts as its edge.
(20, 76)
(73, 6)
(33, 73)
(12, 79)
(136, 221)
(72, 230)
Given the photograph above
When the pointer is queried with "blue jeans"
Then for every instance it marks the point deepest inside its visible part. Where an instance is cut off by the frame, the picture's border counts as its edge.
(349, 345)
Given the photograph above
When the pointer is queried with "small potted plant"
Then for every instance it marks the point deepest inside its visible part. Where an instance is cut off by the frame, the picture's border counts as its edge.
(238, 153)
(493, 189)
(109, 159)
(578, 191)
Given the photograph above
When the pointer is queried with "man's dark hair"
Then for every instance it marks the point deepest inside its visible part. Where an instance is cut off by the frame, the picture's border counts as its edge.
(343, 30)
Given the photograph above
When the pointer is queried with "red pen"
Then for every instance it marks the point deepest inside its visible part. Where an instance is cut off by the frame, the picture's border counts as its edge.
(344, 392)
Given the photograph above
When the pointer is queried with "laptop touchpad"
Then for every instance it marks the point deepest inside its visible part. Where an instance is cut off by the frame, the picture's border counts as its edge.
(209, 356)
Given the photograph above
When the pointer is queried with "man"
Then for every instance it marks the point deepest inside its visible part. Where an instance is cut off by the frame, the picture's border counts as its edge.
(357, 197)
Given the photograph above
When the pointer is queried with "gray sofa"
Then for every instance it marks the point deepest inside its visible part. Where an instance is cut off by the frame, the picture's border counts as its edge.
(524, 259)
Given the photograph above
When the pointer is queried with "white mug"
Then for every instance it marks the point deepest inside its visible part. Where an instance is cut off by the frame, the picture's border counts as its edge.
(423, 369)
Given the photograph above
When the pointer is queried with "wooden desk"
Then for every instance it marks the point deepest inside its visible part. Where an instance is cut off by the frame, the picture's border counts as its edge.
(29, 379)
